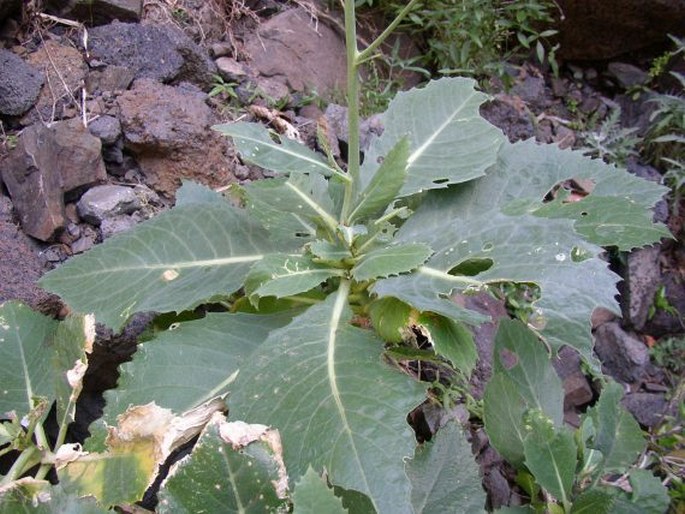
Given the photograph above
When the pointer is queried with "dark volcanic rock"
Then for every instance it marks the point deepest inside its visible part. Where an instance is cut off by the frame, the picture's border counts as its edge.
(46, 163)
(623, 356)
(162, 53)
(98, 12)
(9, 8)
(648, 408)
(21, 266)
(602, 29)
(20, 84)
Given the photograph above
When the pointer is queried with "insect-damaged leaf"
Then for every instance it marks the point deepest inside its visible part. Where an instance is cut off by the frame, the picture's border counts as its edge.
(233, 468)
(313, 496)
(390, 260)
(31, 496)
(449, 142)
(171, 263)
(444, 475)
(336, 404)
(384, 185)
(523, 379)
(496, 219)
(283, 275)
(190, 364)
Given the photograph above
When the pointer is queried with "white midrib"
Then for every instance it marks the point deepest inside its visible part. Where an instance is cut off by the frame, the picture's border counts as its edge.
(419, 151)
(333, 327)
(282, 149)
(205, 263)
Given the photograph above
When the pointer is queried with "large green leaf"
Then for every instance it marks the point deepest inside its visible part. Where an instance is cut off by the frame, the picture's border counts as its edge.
(617, 434)
(283, 275)
(451, 340)
(494, 220)
(267, 149)
(444, 475)
(73, 341)
(449, 141)
(26, 358)
(648, 496)
(171, 263)
(523, 379)
(390, 260)
(551, 455)
(190, 364)
(30, 496)
(312, 496)
(234, 468)
(428, 289)
(593, 501)
(338, 407)
(384, 185)
(293, 207)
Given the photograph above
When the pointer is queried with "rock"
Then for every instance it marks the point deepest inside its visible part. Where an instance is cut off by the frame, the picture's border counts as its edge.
(66, 71)
(99, 12)
(576, 386)
(20, 84)
(648, 408)
(102, 202)
(107, 128)
(627, 75)
(602, 29)
(21, 266)
(221, 49)
(47, 163)
(511, 114)
(9, 8)
(532, 91)
(304, 55)
(115, 224)
(159, 52)
(670, 317)
(230, 69)
(336, 117)
(484, 336)
(177, 141)
(111, 78)
(623, 356)
(642, 278)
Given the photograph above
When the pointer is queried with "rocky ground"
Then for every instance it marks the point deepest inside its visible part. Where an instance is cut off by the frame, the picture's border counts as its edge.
(101, 122)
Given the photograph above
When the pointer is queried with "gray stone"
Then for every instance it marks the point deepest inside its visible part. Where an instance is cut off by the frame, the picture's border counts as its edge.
(627, 75)
(623, 356)
(230, 69)
(159, 52)
(111, 78)
(47, 163)
(20, 84)
(642, 278)
(107, 128)
(301, 54)
(101, 202)
(116, 224)
(648, 408)
(577, 390)
(175, 142)
(336, 117)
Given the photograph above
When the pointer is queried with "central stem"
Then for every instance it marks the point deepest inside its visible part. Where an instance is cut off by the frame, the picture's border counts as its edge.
(352, 109)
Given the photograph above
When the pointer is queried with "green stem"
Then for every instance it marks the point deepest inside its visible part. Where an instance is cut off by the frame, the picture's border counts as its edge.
(367, 53)
(352, 109)
(28, 458)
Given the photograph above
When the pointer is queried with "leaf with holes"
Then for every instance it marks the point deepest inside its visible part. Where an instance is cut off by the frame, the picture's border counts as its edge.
(171, 263)
(449, 142)
(311, 380)
(390, 260)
